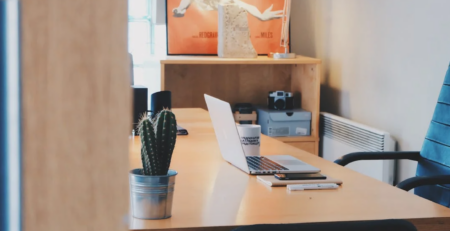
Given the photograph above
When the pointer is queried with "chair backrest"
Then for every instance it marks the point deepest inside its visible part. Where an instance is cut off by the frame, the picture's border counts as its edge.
(436, 149)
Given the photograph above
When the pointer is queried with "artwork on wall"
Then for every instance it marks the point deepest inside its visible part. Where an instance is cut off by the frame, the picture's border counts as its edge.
(234, 34)
(192, 25)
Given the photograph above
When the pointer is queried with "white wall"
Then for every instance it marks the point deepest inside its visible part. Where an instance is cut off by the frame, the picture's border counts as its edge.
(384, 61)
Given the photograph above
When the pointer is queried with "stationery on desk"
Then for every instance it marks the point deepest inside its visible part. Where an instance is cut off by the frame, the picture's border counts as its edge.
(303, 187)
(270, 180)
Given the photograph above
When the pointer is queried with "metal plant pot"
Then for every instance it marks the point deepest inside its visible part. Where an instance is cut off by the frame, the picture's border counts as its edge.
(151, 196)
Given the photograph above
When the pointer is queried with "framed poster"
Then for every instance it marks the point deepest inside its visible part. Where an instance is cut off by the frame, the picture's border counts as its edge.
(192, 25)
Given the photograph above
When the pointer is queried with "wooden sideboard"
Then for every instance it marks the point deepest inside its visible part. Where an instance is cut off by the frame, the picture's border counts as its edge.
(246, 80)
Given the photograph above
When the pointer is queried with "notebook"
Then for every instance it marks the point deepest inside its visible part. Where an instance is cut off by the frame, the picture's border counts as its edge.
(270, 180)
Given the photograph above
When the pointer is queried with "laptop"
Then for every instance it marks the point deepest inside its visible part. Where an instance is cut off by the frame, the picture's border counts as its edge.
(232, 151)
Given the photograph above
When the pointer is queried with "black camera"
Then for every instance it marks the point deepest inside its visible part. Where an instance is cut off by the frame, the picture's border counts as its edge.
(280, 100)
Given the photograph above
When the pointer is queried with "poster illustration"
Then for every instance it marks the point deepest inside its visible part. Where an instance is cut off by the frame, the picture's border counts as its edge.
(192, 25)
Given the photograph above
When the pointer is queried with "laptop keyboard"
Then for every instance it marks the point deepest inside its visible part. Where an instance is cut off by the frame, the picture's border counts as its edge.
(260, 163)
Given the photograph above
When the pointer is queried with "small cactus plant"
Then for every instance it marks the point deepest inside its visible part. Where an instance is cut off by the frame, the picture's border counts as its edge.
(158, 137)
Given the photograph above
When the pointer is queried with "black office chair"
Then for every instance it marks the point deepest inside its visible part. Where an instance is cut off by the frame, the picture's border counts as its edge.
(433, 170)
(382, 225)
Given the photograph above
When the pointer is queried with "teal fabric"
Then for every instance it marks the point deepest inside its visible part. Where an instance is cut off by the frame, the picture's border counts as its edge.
(439, 133)
(444, 97)
(435, 152)
(436, 149)
(437, 193)
(442, 114)
(447, 80)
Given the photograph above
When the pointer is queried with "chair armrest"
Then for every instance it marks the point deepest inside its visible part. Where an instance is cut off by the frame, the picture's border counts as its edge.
(346, 159)
(417, 181)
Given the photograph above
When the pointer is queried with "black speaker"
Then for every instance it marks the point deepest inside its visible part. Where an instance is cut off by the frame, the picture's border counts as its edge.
(140, 103)
(159, 101)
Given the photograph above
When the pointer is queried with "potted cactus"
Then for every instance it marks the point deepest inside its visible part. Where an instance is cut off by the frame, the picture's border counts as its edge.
(151, 188)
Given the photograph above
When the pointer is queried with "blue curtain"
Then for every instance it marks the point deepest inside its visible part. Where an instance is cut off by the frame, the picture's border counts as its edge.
(3, 152)
(10, 174)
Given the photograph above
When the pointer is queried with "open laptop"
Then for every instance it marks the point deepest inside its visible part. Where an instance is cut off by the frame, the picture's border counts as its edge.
(232, 151)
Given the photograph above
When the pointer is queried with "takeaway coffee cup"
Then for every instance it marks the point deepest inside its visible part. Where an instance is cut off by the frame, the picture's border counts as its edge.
(250, 138)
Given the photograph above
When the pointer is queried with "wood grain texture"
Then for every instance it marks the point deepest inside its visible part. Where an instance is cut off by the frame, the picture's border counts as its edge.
(306, 88)
(305, 146)
(163, 77)
(179, 59)
(232, 83)
(76, 114)
(227, 197)
(296, 138)
(432, 224)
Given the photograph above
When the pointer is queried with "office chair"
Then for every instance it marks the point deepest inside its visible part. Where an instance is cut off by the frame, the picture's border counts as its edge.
(382, 225)
(433, 170)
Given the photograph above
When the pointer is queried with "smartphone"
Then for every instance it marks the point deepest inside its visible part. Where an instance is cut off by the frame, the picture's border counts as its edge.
(300, 176)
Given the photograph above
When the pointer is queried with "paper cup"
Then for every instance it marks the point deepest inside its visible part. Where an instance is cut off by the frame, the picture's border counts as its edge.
(250, 138)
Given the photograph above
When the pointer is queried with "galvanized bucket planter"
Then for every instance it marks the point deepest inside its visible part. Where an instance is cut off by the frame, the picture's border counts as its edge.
(151, 196)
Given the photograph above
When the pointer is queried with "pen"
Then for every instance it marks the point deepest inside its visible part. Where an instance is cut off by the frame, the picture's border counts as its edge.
(301, 187)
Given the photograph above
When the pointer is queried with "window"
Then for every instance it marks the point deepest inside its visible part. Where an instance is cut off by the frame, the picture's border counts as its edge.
(140, 30)
(144, 44)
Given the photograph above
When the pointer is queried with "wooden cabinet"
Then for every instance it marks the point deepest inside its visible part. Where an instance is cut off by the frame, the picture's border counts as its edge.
(245, 80)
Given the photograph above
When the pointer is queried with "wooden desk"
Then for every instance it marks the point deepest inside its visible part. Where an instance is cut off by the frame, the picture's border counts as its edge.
(213, 195)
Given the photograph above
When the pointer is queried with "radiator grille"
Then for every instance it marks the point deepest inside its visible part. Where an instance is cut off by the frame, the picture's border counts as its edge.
(350, 133)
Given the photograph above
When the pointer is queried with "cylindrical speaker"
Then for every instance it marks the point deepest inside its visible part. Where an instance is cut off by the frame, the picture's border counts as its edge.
(159, 101)
(140, 99)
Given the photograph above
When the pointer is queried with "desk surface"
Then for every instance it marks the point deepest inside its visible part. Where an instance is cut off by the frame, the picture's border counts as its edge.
(210, 193)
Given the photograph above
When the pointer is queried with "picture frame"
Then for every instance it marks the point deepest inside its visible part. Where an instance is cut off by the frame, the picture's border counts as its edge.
(192, 26)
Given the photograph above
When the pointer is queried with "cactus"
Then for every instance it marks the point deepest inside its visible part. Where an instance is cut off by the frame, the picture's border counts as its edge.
(148, 150)
(158, 138)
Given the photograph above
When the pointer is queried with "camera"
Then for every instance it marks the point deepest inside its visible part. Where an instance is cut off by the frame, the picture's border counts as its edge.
(280, 100)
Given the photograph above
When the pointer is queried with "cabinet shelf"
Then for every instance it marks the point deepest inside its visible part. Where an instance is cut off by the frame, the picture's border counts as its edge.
(217, 60)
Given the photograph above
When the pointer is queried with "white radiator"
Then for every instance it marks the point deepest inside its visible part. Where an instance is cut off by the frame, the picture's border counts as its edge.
(340, 136)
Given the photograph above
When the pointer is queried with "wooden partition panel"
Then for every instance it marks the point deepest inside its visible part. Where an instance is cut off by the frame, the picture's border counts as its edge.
(76, 114)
